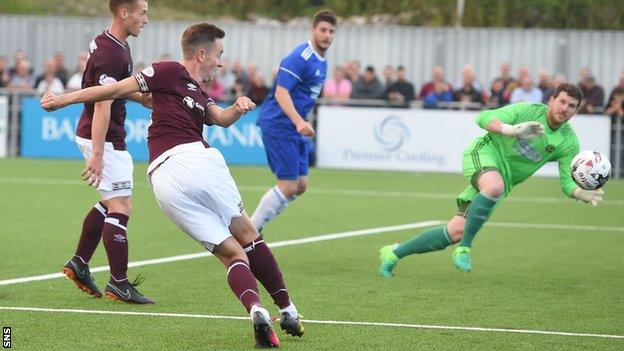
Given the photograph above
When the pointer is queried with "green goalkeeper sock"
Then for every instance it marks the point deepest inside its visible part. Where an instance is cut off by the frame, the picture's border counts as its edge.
(478, 212)
(432, 240)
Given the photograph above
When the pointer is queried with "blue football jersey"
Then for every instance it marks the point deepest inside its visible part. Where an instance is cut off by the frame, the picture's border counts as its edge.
(302, 72)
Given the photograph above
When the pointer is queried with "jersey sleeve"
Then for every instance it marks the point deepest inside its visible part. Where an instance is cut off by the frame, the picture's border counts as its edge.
(107, 67)
(291, 71)
(507, 114)
(157, 78)
(565, 161)
(208, 119)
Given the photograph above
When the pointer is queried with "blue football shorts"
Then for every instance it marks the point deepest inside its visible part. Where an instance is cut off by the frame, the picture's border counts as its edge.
(288, 158)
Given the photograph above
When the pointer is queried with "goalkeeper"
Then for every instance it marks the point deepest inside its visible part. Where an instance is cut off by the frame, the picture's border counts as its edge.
(521, 138)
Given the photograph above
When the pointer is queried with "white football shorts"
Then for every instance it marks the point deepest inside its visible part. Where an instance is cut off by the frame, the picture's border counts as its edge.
(196, 191)
(118, 168)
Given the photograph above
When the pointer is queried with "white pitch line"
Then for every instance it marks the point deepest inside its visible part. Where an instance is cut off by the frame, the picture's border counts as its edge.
(319, 238)
(312, 239)
(365, 324)
(325, 191)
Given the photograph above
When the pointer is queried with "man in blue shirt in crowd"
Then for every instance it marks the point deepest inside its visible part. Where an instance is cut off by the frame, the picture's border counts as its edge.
(282, 118)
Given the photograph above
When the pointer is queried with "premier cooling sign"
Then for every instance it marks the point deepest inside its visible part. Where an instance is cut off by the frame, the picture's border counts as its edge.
(391, 139)
(418, 140)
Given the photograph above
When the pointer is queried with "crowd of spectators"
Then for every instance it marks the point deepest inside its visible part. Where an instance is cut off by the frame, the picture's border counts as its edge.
(347, 82)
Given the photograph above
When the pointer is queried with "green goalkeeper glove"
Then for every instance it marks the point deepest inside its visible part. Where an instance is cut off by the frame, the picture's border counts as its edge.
(593, 197)
(525, 130)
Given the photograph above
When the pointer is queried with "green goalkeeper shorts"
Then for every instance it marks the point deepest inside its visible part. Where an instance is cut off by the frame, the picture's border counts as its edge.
(480, 157)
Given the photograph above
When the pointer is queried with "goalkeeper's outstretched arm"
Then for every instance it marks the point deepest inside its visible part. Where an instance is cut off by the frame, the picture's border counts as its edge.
(525, 130)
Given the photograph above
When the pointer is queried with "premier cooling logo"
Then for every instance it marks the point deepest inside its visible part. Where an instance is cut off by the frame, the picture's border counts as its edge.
(391, 146)
(391, 133)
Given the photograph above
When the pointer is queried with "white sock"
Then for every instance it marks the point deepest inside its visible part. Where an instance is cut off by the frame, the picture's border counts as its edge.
(258, 308)
(272, 203)
(291, 310)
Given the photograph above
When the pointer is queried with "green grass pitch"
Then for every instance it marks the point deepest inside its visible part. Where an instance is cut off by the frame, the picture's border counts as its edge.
(545, 263)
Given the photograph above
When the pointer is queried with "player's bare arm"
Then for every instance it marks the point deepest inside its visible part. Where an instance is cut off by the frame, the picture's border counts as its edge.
(228, 116)
(92, 173)
(144, 99)
(51, 102)
(286, 104)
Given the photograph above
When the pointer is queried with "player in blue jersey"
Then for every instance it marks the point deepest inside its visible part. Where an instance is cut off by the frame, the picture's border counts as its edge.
(283, 122)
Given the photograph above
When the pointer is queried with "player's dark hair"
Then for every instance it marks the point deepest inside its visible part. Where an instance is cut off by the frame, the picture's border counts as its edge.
(113, 5)
(201, 34)
(325, 16)
(571, 89)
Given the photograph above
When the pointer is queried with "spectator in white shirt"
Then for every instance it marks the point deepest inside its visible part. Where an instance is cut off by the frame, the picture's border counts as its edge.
(526, 92)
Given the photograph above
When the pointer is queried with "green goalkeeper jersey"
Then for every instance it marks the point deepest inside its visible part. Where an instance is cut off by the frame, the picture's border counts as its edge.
(521, 158)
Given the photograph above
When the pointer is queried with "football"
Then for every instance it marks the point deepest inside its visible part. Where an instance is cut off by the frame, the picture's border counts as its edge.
(590, 169)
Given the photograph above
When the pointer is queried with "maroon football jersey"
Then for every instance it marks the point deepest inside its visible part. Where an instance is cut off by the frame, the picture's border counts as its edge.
(179, 106)
(109, 62)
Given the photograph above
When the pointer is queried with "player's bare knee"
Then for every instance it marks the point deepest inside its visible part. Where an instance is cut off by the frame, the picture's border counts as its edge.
(494, 190)
(243, 230)
(491, 183)
(302, 189)
(120, 205)
(455, 232)
(289, 188)
(229, 251)
(455, 228)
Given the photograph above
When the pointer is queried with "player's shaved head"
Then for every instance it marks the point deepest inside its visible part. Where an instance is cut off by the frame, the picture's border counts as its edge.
(201, 35)
(114, 5)
(325, 16)
(572, 90)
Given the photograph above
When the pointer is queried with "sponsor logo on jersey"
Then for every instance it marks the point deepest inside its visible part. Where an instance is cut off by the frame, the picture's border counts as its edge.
(106, 80)
(92, 46)
(523, 148)
(148, 71)
(191, 103)
(318, 73)
(191, 86)
(550, 148)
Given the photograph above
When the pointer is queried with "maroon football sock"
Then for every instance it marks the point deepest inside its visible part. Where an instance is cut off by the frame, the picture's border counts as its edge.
(116, 244)
(91, 232)
(266, 270)
(243, 284)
